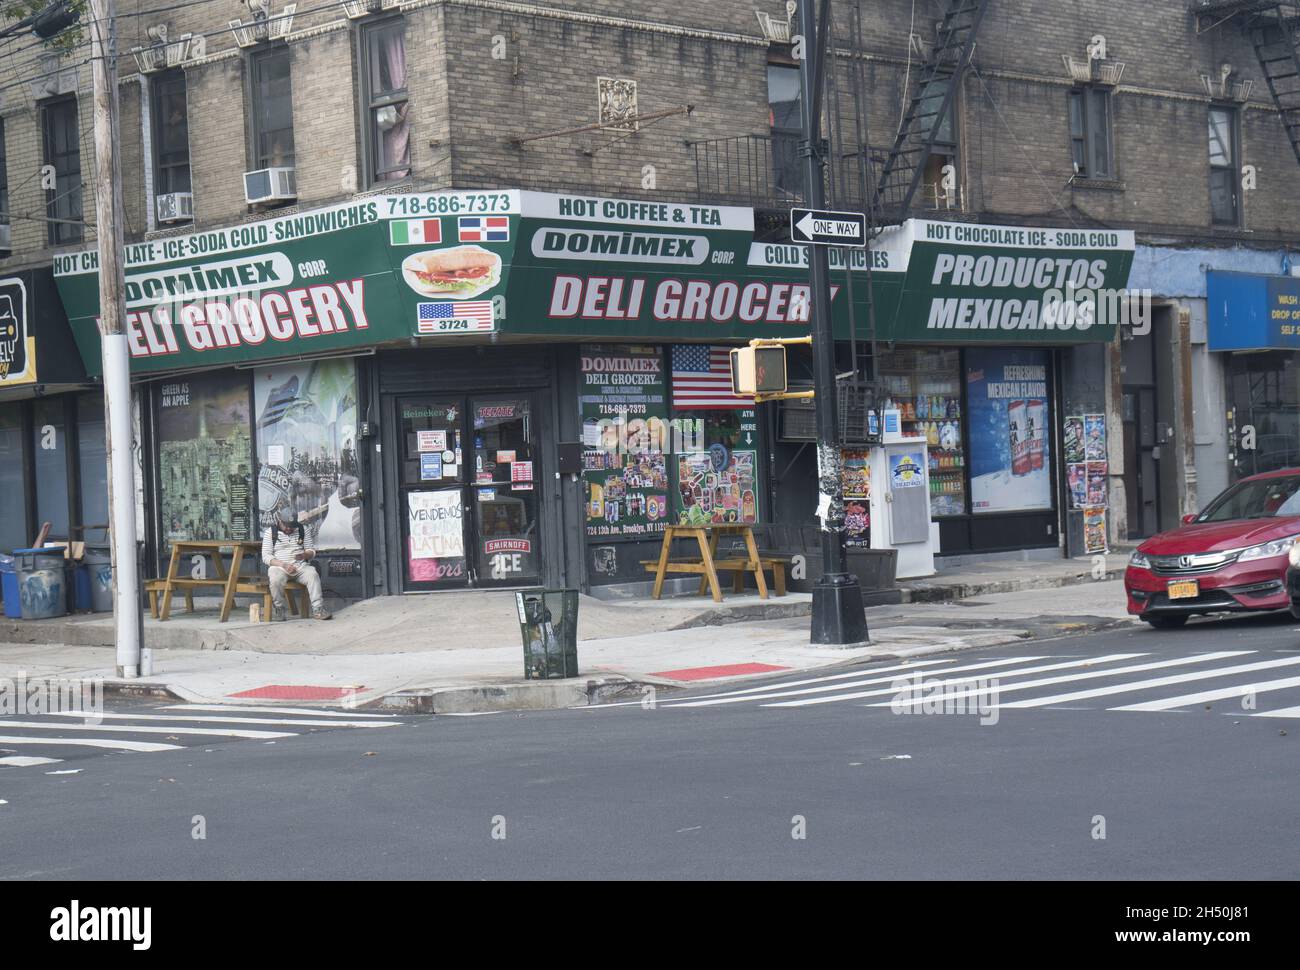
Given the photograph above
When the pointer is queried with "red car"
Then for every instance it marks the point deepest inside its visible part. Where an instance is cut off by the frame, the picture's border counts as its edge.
(1232, 557)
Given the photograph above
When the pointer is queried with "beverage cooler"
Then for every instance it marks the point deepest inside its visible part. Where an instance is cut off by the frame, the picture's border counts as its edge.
(887, 498)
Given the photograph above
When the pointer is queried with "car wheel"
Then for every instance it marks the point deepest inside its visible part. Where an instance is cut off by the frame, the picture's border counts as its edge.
(1166, 622)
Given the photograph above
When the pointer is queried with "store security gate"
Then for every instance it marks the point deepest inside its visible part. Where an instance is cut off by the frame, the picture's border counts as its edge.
(468, 491)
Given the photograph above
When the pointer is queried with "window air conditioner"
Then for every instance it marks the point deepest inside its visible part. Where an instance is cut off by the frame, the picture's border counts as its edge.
(270, 185)
(175, 207)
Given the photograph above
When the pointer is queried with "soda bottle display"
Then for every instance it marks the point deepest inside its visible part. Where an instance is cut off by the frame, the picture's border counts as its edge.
(1038, 436)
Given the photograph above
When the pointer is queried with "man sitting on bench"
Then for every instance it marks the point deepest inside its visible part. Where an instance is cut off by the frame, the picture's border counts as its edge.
(286, 558)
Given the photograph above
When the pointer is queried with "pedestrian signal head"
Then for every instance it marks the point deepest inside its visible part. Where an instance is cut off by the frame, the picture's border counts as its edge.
(758, 370)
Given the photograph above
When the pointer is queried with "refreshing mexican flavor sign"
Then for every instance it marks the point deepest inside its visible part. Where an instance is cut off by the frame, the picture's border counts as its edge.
(460, 265)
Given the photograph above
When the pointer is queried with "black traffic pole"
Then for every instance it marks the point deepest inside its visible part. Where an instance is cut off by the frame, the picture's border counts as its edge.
(838, 617)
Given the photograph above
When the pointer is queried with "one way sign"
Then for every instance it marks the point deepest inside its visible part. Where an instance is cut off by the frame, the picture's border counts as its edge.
(822, 228)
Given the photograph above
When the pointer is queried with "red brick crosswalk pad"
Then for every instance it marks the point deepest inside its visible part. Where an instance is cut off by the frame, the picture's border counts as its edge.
(725, 670)
(294, 692)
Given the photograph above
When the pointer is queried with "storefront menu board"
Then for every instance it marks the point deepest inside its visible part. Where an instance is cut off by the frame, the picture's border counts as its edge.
(625, 433)
(1009, 411)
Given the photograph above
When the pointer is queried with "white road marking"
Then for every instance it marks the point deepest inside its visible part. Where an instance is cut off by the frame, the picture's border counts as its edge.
(1090, 675)
(1280, 712)
(739, 696)
(1218, 694)
(107, 715)
(24, 761)
(1090, 661)
(114, 729)
(231, 708)
(95, 743)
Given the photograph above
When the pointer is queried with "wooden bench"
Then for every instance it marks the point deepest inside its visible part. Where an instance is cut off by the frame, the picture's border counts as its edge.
(252, 585)
(738, 567)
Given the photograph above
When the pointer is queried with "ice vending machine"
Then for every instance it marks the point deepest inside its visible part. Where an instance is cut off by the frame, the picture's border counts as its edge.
(900, 501)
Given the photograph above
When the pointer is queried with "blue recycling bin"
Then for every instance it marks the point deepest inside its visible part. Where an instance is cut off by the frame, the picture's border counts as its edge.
(9, 588)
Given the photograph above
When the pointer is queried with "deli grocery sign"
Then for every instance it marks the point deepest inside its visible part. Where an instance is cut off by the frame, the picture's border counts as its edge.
(571, 266)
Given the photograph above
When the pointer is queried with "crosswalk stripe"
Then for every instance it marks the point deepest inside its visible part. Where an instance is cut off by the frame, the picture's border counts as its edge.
(894, 689)
(730, 698)
(95, 743)
(860, 672)
(1204, 697)
(1280, 712)
(1089, 675)
(231, 708)
(107, 715)
(124, 729)
(26, 761)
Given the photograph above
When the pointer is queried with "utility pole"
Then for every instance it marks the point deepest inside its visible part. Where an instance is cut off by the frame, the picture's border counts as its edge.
(132, 660)
(838, 616)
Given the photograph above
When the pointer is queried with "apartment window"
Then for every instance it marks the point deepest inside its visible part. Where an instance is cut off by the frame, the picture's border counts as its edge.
(383, 47)
(1090, 133)
(785, 119)
(272, 109)
(939, 182)
(63, 151)
(1225, 143)
(171, 134)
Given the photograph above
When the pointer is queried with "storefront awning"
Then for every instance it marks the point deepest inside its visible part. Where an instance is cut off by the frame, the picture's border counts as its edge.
(531, 265)
(36, 346)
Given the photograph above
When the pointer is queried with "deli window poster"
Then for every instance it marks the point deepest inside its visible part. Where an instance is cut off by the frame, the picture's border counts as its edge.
(1009, 409)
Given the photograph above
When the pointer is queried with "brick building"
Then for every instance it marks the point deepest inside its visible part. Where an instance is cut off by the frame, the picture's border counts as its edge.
(1082, 115)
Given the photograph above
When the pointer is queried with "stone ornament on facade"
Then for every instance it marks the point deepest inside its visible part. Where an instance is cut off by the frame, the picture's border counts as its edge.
(775, 30)
(264, 25)
(161, 54)
(618, 103)
(1228, 86)
(1094, 66)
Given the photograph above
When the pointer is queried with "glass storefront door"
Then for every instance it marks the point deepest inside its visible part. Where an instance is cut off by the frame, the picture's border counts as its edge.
(505, 492)
(431, 479)
(468, 479)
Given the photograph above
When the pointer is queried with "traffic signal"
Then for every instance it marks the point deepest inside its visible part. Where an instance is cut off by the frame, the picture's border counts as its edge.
(758, 371)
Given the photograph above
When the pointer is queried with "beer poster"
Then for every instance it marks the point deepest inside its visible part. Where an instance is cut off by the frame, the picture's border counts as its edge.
(1009, 410)
(1094, 530)
(1073, 440)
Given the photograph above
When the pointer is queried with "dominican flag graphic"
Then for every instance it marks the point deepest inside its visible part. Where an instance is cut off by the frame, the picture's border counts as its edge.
(484, 228)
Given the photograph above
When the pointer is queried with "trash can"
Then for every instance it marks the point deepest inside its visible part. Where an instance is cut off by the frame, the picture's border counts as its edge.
(80, 587)
(9, 586)
(42, 588)
(99, 562)
(548, 623)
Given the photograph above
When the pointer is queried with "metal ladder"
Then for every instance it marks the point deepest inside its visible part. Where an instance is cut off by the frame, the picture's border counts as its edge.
(1275, 38)
(904, 168)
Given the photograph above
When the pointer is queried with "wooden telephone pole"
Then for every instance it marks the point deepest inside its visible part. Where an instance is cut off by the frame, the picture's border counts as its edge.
(132, 660)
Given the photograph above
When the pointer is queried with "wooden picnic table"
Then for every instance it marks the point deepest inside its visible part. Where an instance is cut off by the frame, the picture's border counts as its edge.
(708, 564)
(228, 578)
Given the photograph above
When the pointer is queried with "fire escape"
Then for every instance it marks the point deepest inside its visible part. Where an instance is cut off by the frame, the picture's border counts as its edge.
(1273, 27)
(763, 171)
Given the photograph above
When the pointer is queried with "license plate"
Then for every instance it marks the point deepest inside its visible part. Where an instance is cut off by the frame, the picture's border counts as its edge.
(1184, 590)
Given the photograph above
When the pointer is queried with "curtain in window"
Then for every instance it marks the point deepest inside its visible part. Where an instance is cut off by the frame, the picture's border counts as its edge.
(395, 139)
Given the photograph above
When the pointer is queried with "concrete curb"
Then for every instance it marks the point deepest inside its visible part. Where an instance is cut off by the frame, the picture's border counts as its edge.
(928, 591)
(492, 698)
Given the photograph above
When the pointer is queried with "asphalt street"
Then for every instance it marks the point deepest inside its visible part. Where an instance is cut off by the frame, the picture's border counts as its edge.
(1199, 778)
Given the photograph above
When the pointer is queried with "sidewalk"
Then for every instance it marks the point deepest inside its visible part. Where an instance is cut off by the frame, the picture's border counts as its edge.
(461, 652)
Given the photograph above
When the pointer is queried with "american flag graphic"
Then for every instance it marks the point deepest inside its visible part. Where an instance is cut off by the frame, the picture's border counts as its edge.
(484, 228)
(443, 316)
(702, 378)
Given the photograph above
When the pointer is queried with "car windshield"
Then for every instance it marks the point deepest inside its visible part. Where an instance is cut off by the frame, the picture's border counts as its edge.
(1263, 499)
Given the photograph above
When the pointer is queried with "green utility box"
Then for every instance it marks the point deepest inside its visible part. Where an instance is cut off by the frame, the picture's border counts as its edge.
(548, 623)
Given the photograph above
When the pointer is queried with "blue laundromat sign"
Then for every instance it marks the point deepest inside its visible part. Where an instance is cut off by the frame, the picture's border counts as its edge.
(1251, 312)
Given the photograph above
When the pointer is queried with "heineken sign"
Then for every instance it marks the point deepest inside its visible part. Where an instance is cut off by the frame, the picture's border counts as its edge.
(452, 266)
